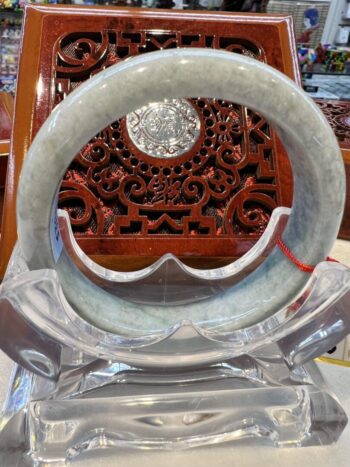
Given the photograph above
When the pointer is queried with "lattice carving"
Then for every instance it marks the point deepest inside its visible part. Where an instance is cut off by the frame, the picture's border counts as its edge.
(225, 185)
(338, 116)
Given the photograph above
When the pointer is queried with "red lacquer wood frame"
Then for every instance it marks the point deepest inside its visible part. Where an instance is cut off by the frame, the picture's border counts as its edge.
(6, 116)
(45, 25)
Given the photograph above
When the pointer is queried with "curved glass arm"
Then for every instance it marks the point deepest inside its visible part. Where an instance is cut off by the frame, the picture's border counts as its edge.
(169, 281)
(33, 304)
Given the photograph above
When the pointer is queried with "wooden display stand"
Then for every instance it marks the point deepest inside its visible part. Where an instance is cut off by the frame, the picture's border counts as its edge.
(127, 207)
(189, 204)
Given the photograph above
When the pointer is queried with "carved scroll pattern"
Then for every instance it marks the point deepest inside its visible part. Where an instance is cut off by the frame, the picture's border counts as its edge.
(338, 116)
(226, 185)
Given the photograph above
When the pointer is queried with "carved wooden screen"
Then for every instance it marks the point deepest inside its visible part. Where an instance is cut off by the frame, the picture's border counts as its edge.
(223, 186)
(338, 116)
(214, 197)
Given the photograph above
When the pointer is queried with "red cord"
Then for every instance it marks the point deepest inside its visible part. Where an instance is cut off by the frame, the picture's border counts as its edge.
(332, 260)
(302, 266)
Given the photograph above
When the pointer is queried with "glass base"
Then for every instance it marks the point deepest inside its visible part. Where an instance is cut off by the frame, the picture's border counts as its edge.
(253, 399)
(79, 392)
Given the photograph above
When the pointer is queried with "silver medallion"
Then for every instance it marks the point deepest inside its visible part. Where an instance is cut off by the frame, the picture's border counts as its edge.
(164, 129)
(344, 120)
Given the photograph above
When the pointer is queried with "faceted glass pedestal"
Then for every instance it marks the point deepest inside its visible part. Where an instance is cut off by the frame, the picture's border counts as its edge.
(77, 389)
(252, 399)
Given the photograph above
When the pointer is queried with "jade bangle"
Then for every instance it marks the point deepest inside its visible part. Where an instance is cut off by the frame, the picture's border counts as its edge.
(319, 183)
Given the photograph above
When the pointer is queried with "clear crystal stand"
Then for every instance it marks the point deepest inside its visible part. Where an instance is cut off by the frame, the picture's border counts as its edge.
(77, 389)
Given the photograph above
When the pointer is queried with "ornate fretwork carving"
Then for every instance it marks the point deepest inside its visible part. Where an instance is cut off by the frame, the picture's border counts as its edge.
(224, 184)
(338, 116)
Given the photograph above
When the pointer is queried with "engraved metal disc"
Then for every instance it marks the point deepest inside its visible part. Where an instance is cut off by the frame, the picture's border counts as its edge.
(344, 120)
(164, 129)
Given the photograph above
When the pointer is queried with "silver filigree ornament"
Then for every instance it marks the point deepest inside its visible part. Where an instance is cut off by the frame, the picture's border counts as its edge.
(164, 129)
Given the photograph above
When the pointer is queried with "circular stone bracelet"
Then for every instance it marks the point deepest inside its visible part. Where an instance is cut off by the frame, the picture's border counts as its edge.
(319, 183)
